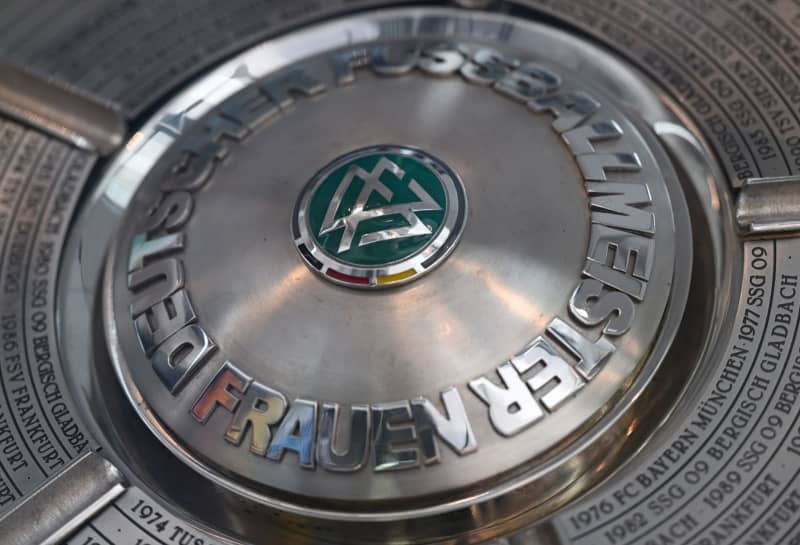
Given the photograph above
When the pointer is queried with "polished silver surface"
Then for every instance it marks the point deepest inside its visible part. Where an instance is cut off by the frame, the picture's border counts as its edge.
(769, 205)
(64, 503)
(191, 322)
(505, 294)
(59, 110)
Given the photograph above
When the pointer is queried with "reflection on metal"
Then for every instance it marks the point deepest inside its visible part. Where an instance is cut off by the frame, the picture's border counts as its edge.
(769, 205)
(60, 111)
(63, 504)
(473, 4)
(373, 354)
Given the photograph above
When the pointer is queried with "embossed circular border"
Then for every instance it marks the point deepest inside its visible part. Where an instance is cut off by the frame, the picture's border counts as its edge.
(144, 150)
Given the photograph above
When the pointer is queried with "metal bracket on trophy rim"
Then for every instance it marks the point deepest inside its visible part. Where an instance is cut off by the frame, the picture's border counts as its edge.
(64, 503)
(769, 206)
(60, 110)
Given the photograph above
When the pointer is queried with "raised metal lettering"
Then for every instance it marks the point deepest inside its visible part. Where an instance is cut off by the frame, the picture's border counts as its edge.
(487, 66)
(440, 59)
(590, 355)
(227, 382)
(511, 409)
(550, 366)
(157, 282)
(142, 249)
(250, 107)
(616, 204)
(570, 109)
(171, 214)
(580, 139)
(296, 82)
(163, 320)
(260, 408)
(296, 433)
(591, 305)
(195, 166)
(344, 64)
(394, 59)
(330, 438)
(527, 82)
(454, 429)
(180, 356)
(625, 251)
(393, 425)
(595, 166)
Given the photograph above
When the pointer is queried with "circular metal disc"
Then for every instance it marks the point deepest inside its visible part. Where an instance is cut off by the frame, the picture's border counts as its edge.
(260, 370)
(423, 275)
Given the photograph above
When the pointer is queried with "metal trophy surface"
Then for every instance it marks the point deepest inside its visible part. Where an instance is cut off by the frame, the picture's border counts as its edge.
(354, 272)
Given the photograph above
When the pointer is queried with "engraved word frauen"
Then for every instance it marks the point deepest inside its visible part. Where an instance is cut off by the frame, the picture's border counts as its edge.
(395, 435)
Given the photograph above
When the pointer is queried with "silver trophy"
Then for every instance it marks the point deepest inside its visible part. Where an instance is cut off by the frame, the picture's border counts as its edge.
(360, 273)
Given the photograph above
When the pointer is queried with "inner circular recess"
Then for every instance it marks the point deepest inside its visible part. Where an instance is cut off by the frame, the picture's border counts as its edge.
(504, 281)
(282, 385)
